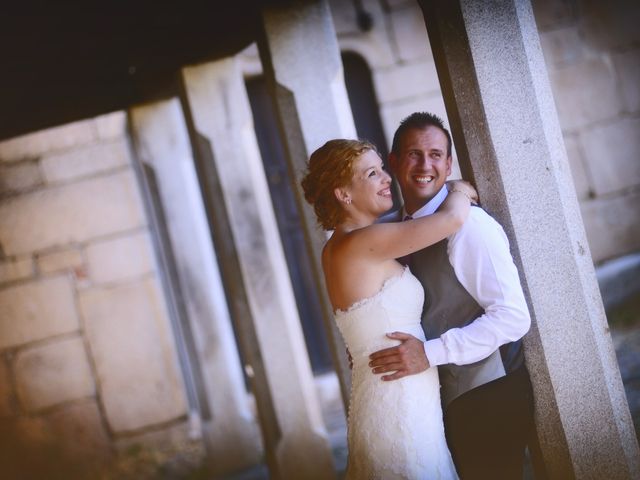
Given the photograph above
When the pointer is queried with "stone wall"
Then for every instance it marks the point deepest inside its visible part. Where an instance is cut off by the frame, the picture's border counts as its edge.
(593, 56)
(87, 360)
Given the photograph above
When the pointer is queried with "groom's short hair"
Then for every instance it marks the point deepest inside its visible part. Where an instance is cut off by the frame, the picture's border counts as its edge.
(419, 121)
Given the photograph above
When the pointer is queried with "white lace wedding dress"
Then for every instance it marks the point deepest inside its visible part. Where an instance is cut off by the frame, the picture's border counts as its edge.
(395, 428)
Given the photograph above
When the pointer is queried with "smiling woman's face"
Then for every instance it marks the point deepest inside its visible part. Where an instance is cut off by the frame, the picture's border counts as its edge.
(370, 188)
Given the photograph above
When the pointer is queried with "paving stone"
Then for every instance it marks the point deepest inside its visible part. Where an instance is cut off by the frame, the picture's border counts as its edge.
(135, 359)
(36, 310)
(53, 373)
(87, 209)
(120, 258)
(85, 161)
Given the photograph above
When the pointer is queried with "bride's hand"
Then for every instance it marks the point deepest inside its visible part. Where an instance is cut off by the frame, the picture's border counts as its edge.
(464, 187)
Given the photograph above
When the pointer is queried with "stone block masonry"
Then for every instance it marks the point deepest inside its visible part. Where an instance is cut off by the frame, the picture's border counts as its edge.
(86, 352)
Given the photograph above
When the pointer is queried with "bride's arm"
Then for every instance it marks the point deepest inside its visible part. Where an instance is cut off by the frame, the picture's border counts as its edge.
(394, 240)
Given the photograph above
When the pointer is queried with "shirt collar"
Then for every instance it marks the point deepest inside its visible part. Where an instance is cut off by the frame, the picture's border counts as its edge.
(431, 206)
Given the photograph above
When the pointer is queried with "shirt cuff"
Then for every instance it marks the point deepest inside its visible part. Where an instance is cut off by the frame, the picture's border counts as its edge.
(436, 352)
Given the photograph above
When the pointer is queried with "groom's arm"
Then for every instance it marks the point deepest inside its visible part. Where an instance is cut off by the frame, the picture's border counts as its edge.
(479, 254)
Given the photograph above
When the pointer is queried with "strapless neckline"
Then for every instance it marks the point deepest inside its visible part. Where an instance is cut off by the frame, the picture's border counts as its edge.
(364, 301)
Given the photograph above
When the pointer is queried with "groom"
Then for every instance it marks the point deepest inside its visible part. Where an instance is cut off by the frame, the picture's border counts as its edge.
(474, 316)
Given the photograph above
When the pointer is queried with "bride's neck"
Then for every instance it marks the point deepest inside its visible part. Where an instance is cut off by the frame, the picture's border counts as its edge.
(350, 224)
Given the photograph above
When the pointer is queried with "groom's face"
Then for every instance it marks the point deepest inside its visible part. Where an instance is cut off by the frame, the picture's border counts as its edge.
(421, 165)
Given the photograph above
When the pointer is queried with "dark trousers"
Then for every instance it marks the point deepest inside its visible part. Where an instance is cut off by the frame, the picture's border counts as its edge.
(487, 428)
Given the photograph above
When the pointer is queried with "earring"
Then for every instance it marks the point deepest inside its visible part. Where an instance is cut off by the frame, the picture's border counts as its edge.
(348, 201)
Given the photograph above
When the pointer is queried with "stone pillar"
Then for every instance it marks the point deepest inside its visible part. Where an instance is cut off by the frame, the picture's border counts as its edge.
(301, 60)
(221, 124)
(230, 431)
(508, 138)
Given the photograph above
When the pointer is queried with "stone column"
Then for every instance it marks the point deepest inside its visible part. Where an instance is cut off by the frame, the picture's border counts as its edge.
(508, 138)
(301, 61)
(230, 431)
(221, 124)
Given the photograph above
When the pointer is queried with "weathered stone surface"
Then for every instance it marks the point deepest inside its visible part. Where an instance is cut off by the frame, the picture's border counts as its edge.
(612, 152)
(553, 13)
(34, 145)
(231, 434)
(610, 25)
(169, 439)
(111, 125)
(582, 417)
(60, 260)
(392, 113)
(53, 373)
(135, 360)
(80, 431)
(628, 68)
(406, 80)
(19, 176)
(409, 33)
(397, 3)
(15, 269)
(585, 92)
(6, 391)
(85, 161)
(120, 258)
(372, 45)
(86, 209)
(344, 19)
(578, 170)
(612, 225)
(36, 310)
(292, 405)
(562, 47)
(70, 443)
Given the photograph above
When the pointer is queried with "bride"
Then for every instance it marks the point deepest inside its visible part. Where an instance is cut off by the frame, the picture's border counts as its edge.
(395, 429)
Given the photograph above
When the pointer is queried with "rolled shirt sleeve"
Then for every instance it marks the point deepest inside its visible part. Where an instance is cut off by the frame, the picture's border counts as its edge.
(480, 256)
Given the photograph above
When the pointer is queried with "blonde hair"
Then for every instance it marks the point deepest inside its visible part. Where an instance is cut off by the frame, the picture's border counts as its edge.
(331, 166)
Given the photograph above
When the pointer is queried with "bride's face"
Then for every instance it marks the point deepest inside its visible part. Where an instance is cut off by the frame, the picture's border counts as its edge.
(370, 186)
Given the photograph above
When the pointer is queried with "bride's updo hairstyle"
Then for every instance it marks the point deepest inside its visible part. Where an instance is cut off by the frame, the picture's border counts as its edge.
(331, 166)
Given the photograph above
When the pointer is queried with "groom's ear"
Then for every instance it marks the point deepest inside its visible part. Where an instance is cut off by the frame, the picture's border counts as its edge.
(449, 163)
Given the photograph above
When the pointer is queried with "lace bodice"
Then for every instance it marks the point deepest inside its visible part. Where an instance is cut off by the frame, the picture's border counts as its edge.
(396, 307)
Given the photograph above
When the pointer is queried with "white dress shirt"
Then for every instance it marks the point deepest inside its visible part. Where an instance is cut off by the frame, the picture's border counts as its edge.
(480, 257)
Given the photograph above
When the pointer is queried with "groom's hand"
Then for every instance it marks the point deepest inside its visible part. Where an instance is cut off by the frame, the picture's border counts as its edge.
(408, 358)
